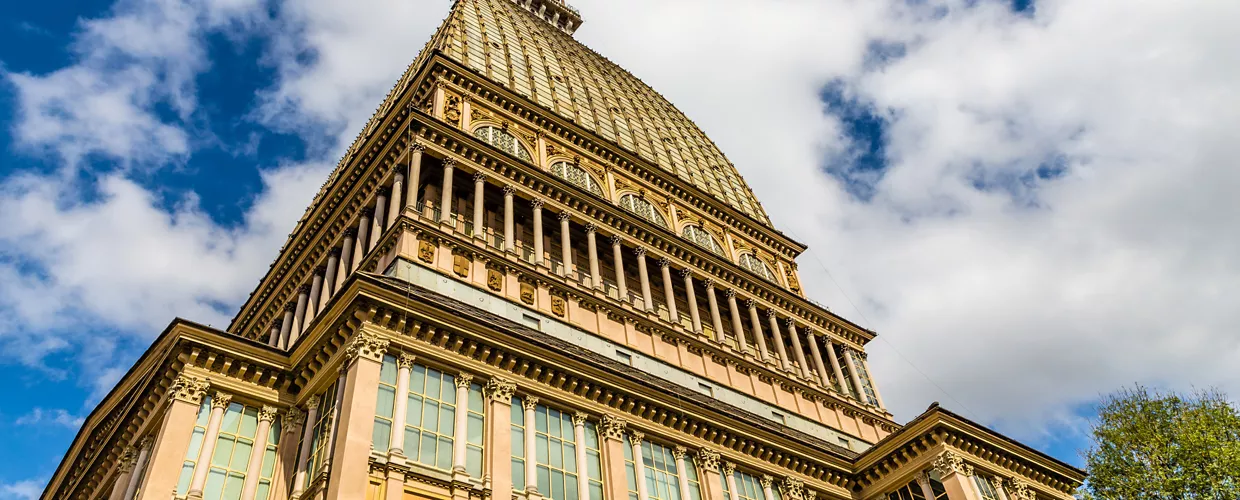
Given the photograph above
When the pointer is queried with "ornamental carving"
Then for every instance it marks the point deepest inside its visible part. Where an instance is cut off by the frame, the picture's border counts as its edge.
(366, 344)
(636, 437)
(1018, 489)
(495, 280)
(530, 403)
(464, 380)
(558, 305)
(500, 390)
(313, 402)
(267, 414)
(220, 400)
(292, 418)
(128, 460)
(791, 276)
(708, 460)
(678, 452)
(579, 419)
(767, 481)
(189, 389)
(426, 251)
(452, 108)
(527, 293)
(613, 427)
(727, 468)
(460, 265)
(950, 463)
(405, 360)
(792, 488)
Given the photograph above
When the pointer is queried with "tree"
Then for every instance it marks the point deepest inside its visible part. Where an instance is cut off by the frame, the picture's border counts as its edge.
(1150, 445)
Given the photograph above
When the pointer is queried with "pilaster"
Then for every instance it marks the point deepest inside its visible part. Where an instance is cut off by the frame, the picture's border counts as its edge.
(350, 454)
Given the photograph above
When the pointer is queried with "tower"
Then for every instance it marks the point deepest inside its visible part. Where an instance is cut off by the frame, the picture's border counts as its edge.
(530, 276)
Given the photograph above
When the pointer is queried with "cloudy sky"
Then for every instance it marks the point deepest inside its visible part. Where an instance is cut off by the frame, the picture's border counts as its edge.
(1033, 203)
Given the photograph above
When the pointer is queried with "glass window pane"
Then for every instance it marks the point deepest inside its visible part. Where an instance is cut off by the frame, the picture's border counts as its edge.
(382, 435)
(231, 416)
(223, 451)
(417, 379)
(430, 416)
(540, 449)
(473, 431)
(447, 417)
(215, 484)
(433, 383)
(249, 423)
(445, 454)
(518, 475)
(413, 412)
(427, 453)
(241, 455)
(232, 488)
(383, 407)
(518, 442)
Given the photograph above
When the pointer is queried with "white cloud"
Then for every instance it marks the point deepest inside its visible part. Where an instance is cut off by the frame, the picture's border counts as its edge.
(56, 417)
(28, 489)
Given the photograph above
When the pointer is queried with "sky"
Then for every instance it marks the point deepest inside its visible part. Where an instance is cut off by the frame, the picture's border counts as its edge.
(1032, 202)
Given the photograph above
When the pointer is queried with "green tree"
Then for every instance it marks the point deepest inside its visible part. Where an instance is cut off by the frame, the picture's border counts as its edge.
(1151, 445)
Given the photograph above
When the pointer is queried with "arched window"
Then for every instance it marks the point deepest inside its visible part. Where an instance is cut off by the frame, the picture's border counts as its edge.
(748, 261)
(702, 237)
(502, 140)
(642, 208)
(576, 175)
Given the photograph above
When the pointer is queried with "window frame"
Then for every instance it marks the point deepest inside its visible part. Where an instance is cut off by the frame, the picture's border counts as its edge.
(654, 216)
(518, 148)
(590, 185)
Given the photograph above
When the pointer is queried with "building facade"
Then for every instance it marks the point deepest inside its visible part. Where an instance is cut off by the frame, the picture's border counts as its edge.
(530, 276)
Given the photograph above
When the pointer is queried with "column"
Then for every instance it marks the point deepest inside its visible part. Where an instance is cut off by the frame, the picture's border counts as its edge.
(273, 336)
(299, 314)
(647, 301)
(873, 385)
(312, 303)
(695, 318)
(144, 452)
(329, 280)
(266, 416)
(499, 393)
(286, 324)
(219, 402)
(617, 256)
(461, 424)
(346, 259)
(852, 372)
(566, 245)
(755, 324)
(956, 476)
(729, 475)
(303, 457)
(678, 453)
(291, 427)
(579, 437)
(538, 231)
(359, 245)
(445, 201)
(349, 474)
(611, 431)
(596, 280)
(394, 209)
(172, 441)
(796, 346)
(779, 341)
(767, 482)
(817, 354)
(396, 442)
(480, 184)
(377, 225)
(923, 480)
(509, 235)
(737, 326)
(842, 385)
(669, 294)
(529, 403)
(639, 465)
(708, 462)
(415, 175)
(124, 471)
(713, 303)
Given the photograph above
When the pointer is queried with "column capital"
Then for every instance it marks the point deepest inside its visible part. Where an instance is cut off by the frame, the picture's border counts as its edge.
(664, 262)
(639, 251)
(220, 400)
(789, 323)
(751, 303)
(267, 413)
(678, 452)
(464, 380)
(291, 306)
(405, 360)
(480, 177)
(529, 403)
(508, 190)
(367, 344)
(127, 461)
(766, 480)
(686, 273)
(537, 203)
(449, 163)
(708, 459)
(579, 418)
(350, 233)
(500, 390)
(591, 227)
(636, 437)
(367, 212)
(417, 148)
(727, 468)
(563, 216)
(613, 427)
(146, 442)
(304, 289)
(313, 402)
(1018, 489)
(922, 479)
(709, 282)
(770, 313)
(949, 462)
(730, 293)
(292, 418)
(616, 240)
(189, 389)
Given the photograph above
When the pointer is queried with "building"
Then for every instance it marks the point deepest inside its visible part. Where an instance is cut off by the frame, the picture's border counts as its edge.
(530, 276)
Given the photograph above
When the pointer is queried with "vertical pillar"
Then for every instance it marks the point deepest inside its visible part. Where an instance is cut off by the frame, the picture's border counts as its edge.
(286, 325)
(796, 346)
(669, 293)
(415, 175)
(329, 280)
(529, 404)
(642, 272)
(394, 207)
(695, 318)
(144, 453)
(614, 477)
(873, 384)
(737, 326)
(579, 437)
(682, 479)
(617, 256)
(396, 440)
(956, 476)
(755, 324)
(779, 342)
(767, 482)
(346, 259)
(499, 393)
(266, 416)
(817, 354)
(350, 448)
(509, 235)
(566, 245)
(461, 425)
(273, 336)
(708, 464)
(172, 442)
(445, 201)
(729, 475)
(299, 314)
(852, 372)
(639, 465)
(124, 471)
(596, 280)
(842, 386)
(307, 440)
(219, 403)
(713, 303)
(538, 231)
(359, 245)
(291, 425)
(312, 302)
(377, 225)
(480, 184)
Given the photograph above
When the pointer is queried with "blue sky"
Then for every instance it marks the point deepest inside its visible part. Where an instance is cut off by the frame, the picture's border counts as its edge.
(1030, 202)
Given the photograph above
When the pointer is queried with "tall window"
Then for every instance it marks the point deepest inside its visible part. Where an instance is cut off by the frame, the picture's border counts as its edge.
(630, 471)
(985, 488)
(384, 406)
(642, 208)
(518, 445)
(228, 462)
(555, 454)
(662, 477)
(195, 446)
(846, 385)
(576, 175)
(321, 438)
(695, 484)
(702, 238)
(747, 486)
(430, 415)
(594, 462)
(913, 491)
(502, 140)
(752, 263)
(866, 384)
(473, 431)
(267, 472)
